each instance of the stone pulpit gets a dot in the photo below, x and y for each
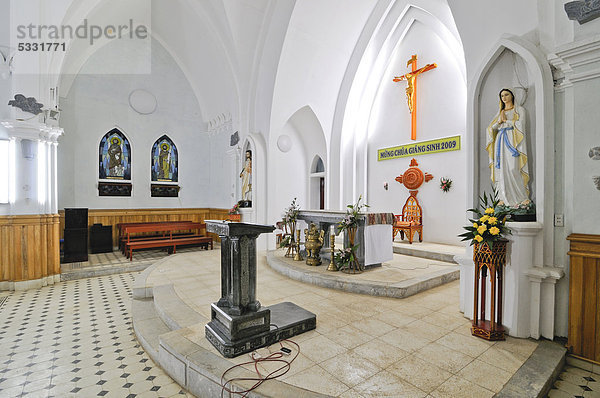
(238, 322)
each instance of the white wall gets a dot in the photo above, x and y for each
(97, 103)
(482, 23)
(441, 113)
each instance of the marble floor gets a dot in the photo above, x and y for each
(364, 346)
(75, 339)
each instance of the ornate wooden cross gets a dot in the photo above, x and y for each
(411, 90)
(413, 178)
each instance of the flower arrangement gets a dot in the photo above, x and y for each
(489, 226)
(525, 207)
(351, 218)
(235, 209)
(344, 258)
(445, 184)
(291, 213)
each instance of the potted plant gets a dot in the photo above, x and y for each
(487, 233)
(290, 217)
(350, 224)
(345, 259)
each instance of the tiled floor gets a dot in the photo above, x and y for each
(575, 382)
(101, 262)
(364, 346)
(75, 339)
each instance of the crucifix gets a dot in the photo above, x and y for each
(411, 90)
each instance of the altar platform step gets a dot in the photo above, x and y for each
(428, 250)
(169, 324)
(171, 306)
(402, 277)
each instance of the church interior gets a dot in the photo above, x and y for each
(299, 198)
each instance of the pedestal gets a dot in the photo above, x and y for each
(238, 323)
(490, 259)
(529, 286)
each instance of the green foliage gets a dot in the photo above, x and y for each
(291, 213)
(351, 218)
(343, 258)
(285, 242)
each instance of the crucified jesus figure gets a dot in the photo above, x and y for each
(411, 78)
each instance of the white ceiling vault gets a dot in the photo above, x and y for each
(227, 49)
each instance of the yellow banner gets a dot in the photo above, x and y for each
(420, 148)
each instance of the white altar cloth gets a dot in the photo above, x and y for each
(378, 244)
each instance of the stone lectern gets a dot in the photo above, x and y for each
(238, 323)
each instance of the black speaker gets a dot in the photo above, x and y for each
(101, 238)
(76, 218)
(76, 245)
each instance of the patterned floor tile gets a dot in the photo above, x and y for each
(76, 339)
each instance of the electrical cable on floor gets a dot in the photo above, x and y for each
(275, 357)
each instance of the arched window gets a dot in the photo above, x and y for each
(115, 157)
(319, 166)
(165, 162)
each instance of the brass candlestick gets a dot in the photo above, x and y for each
(332, 266)
(298, 257)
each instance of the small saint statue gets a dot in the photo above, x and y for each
(246, 176)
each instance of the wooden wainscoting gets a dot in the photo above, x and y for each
(584, 296)
(29, 247)
(117, 216)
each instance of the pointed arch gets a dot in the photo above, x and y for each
(543, 137)
(165, 161)
(317, 165)
(114, 155)
(387, 26)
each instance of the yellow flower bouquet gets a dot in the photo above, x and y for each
(489, 224)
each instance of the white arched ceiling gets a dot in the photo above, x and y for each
(384, 32)
(186, 29)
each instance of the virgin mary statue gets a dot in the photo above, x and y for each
(507, 150)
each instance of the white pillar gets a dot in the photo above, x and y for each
(517, 287)
(467, 275)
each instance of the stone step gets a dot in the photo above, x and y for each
(148, 326)
(173, 311)
(400, 288)
(431, 251)
(102, 270)
(537, 375)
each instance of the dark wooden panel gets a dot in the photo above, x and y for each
(584, 296)
(589, 309)
(576, 304)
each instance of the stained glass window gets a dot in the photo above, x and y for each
(165, 165)
(115, 156)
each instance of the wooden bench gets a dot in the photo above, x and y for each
(131, 235)
(172, 243)
(167, 237)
